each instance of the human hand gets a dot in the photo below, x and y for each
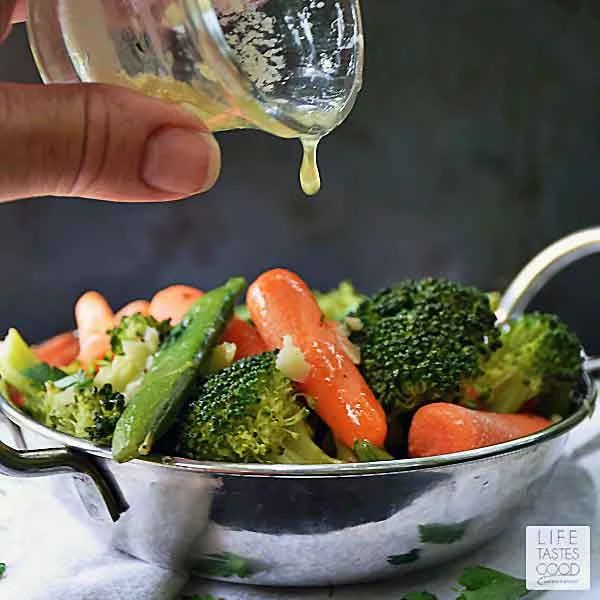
(98, 141)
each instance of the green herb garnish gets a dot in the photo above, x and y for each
(442, 533)
(225, 564)
(405, 559)
(481, 583)
(42, 372)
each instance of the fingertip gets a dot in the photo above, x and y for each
(6, 16)
(102, 142)
(213, 169)
(20, 12)
(181, 161)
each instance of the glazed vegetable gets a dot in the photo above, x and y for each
(339, 302)
(248, 412)
(366, 452)
(151, 411)
(241, 312)
(59, 351)
(334, 304)
(282, 305)
(539, 356)
(173, 302)
(133, 342)
(73, 404)
(141, 307)
(16, 359)
(255, 382)
(246, 338)
(137, 328)
(420, 340)
(94, 318)
(77, 406)
(443, 428)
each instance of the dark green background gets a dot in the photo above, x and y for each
(475, 143)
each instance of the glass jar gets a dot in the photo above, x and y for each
(292, 68)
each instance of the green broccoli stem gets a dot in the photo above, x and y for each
(300, 449)
(366, 451)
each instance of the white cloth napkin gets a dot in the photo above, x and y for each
(51, 556)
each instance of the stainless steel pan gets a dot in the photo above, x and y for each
(308, 525)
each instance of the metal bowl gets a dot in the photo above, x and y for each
(308, 525)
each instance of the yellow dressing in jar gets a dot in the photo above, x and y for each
(234, 64)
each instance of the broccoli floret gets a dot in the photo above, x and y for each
(339, 302)
(248, 412)
(77, 406)
(420, 340)
(133, 342)
(138, 328)
(539, 357)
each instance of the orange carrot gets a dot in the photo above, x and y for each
(246, 338)
(59, 351)
(135, 307)
(281, 304)
(94, 318)
(173, 302)
(444, 428)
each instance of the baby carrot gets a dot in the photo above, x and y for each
(135, 307)
(94, 318)
(282, 305)
(59, 351)
(173, 302)
(246, 338)
(444, 428)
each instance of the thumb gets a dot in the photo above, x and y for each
(102, 142)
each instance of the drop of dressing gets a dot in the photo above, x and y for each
(310, 178)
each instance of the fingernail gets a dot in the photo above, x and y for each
(181, 161)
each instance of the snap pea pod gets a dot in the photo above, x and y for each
(153, 408)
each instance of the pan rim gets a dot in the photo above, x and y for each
(587, 402)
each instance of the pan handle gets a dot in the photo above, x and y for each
(15, 431)
(541, 269)
(39, 463)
